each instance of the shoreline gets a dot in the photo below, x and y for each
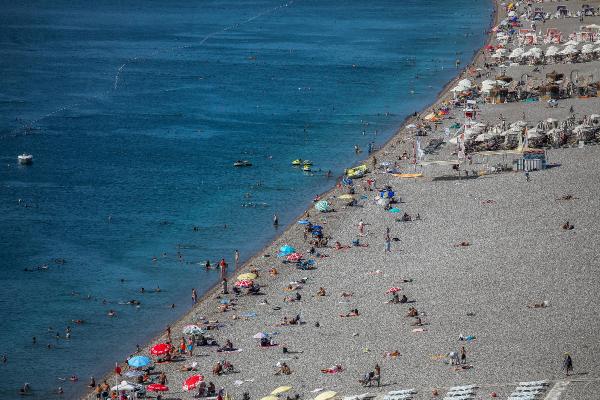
(258, 255)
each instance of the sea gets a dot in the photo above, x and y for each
(135, 111)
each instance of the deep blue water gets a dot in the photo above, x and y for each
(203, 84)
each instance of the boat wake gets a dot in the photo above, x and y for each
(28, 126)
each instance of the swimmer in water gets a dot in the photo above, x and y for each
(111, 313)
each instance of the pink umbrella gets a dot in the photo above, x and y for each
(191, 382)
(160, 349)
(294, 257)
(246, 283)
(393, 290)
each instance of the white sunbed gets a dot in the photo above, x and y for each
(403, 391)
(531, 389)
(363, 396)
(459, 388)
(404, 396)
(524, 396)
(530, 397)
(468, 396)
(534, 383)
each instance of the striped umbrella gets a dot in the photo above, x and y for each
(294, 257)
(193, 330)
(393, 290)
(157, 387)
(322, 206)
(246, 283)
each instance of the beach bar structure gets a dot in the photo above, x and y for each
(532, 160)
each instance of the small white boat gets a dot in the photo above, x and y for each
(25, 159)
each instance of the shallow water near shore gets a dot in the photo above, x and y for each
(139, 112)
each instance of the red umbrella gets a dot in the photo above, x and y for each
(160, 349)
(157, 387)
(191, 382)
(245, 283)
(294, 257)
(393, 290)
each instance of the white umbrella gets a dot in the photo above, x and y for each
(551, 51)
(465, 82)
(483, 137)
(126, 386)
(571, 43)
(261, 335)
(516, 53)
(534, 133)
(587, 48)
(551, 120)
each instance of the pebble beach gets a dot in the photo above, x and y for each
(484, 249)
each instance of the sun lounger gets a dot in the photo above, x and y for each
(460, 391)
(530, 389)
(518, 395)
(529, 397)
(460, 394)
(363, 396)
(404, 391)
(534, 383)
(405, 396)
(463, 397)
(466, 396)
(459, 388)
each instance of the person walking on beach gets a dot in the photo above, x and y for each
(567, 364)
(194, 297)
(168, 332)
(236, 258)
(527, 176)
(378, 374)
(361, 227)
(463, 355)
(223, 267)
(224, 286)
(388, 242)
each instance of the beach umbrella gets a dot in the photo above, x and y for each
(326, 395)
(261, 335)
(304, 222)
(286, 249)
(281, 389)
(244, 284)
(157, 387)
(322, 206)
(317, 227)
(294, 257)
(395, 210)
(193, 330)
(126, 386)
(191, 382)
(346, 197)
(139, 361)
(393, 290)
(133, 373)
(160, 349)
(587, 48)
(248, 275)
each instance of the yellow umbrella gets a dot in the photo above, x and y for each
(247, 276)
(281, 389)
(346, 197)
(326, 395)
(270, 398)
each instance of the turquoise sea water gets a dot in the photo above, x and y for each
(136, 111)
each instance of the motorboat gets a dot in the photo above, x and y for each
(242, 163)
(307, 162)
(306, 168)
(25, 159)
(297, 161)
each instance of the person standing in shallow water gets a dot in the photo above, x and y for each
(223, 267)
(194, 296)
(275, 220)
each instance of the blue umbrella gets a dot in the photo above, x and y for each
(395, 210)
(317, 227)
(304, 222)
(139, 361)
(286, 249)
